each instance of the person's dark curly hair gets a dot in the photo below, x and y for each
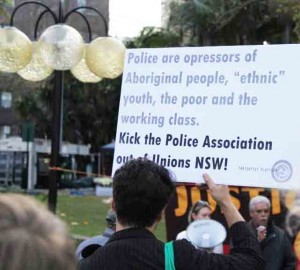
(141, 189)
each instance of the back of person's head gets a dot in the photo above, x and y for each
(141, 190)
(31, 237)
(258, 199)
(111, 219)
(292, 221)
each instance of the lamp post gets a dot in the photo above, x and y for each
(59, 48)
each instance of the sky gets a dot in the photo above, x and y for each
(128, 17)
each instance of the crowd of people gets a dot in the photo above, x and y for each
(33, 238)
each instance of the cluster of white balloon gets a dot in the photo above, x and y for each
(60, 47)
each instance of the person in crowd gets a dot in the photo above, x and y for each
(200, 210)
(31, 237)
(141, 191)
(292, 223)
(275, 246)
(88, 247)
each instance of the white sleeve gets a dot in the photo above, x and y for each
(181, 235)
(218, 249)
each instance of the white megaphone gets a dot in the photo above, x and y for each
(206, 233)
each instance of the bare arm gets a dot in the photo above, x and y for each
(221, 194)
(245, 252)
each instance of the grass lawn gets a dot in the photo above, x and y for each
(85, 215)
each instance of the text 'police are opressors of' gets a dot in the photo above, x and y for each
(191, 59)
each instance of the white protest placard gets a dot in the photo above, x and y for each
(233, 112)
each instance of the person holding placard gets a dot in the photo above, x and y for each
(141, 191)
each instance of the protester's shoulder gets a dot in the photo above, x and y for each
(98, 239)
(239, 227)
(185, 252)
(281, 233)
(249, 223)
(183, 244)
(278, 231)
(92, 259)
(88, 246)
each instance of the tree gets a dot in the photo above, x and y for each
(229, 22)
(3, 13)
(154, 37)
(89, 110)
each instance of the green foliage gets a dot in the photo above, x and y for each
(89, 110)
(5, 2)
(3, 13)
(284, 7)
(207, 22)
(296, 19)
(154, 37)
(229, 22)
(297, 25)
(30, 107)
(215, 13)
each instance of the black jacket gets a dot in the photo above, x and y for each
(134, 248)
(276, 248)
